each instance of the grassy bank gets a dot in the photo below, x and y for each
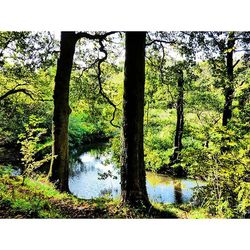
(39, 199)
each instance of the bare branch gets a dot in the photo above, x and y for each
(241, 83)
(95, 36)
(101, 60)
(88, 67)
(236, 63)
(162, 73)
(159, 41)
(14, 91)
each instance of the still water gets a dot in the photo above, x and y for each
(92, 175)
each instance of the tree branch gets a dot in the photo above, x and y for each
(95, 36)
(162, 73)
(101, 60)
(14, 91)
(236, 63)
(159, 41)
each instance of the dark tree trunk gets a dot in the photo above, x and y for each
(227, 112)
(60, 166)
(229, 88)
(179, 122)
(133, 175)
(178, 192)
(174, 158)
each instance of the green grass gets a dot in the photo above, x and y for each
(184, 211)
(39, 199)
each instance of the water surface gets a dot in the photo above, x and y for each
(93, 175)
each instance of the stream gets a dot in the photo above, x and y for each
(92, 175)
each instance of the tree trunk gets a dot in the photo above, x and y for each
(133, 175)
(60, 166)
(229, 89)
(179, 122)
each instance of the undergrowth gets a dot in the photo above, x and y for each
(39, 199)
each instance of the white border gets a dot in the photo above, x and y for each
(124, 15)
(124, 234)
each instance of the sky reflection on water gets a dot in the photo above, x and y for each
(86, 181)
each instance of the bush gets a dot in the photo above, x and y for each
(30, 146)
(81, 130)
(225, 166)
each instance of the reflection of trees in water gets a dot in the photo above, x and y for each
(74, 161)
(81, 168)
(106, 191)
(109, 191)
(109, 174)
(116, 190)
(97, 150)
(158, 198)
(178, 192)
(156, 179)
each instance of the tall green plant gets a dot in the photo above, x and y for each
(31, 146)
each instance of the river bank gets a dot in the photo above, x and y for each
(39, 199)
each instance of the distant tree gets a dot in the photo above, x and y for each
(179, 120)
(222, 49)
(229, 88)
(133, 175)
(171, 72)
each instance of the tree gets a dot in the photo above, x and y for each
(179, 121)
(60, 165)
(229, 88)
(228, 55)
(133, 175)
(24, 81)
(62, 110)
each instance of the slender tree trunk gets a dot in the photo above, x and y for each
(133, 175)
(229, 89)
(60, 166)
(179, 122)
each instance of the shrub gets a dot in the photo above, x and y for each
(30, 146)
(225, 166)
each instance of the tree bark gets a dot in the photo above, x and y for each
(133, 175)
(229, 88)
(179, 122)
(60, 166)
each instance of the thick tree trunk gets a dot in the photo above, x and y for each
(60, 166)
(179, 122)
(133, 175)
(229, 89)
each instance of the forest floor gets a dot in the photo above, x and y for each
(39, 199)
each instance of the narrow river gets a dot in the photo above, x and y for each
(92, 175)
